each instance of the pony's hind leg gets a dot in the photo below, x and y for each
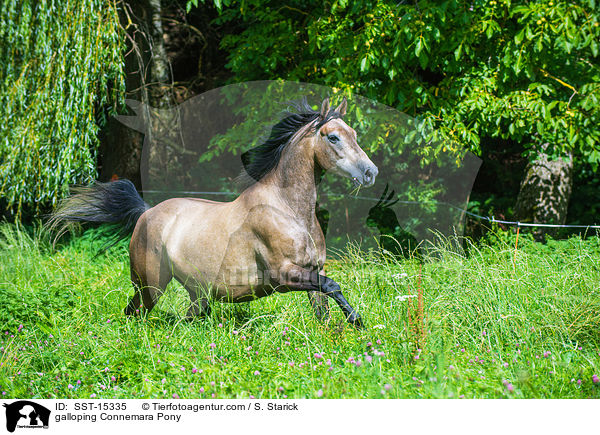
(149, 284)
(320, 305)
(199, 306)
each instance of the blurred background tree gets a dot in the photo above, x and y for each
(514, 76)
(515, 82)
(61, 76)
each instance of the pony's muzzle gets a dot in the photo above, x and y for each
(369, 174)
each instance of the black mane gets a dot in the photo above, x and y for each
(261, 160)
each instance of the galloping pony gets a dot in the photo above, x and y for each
(267, 240)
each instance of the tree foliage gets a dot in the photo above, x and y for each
(468, 70)
(60, 66)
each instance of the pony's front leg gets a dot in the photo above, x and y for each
(297, 278)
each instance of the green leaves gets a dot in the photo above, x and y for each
(59, 72)
(504, 69)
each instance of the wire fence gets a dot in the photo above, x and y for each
(366, 198)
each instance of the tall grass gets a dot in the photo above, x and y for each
(499, 323)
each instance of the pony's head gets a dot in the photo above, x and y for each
(337, 150)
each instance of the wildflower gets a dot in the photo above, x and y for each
(194, 370)
(369, 358)
(400, 275)
(291, 363)
(235, 332)
(505, 364)
(319, 393)
(220, 325)
(318, 356)
(546, 354)
(578, 381)
(595, 379)
(369, 344)
(201, 389)
(112, 378)
(92, 395)
(256, 373)
(403, 298)
(378, 341)
(387, 387)
(379, 327)
(71, 387)
(510, 387)
(175, 396)
(212, 345)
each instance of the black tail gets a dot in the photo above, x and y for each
(115, 202)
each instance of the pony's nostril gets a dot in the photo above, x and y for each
(370, 174)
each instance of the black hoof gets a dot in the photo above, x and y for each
(356, 321)
(132, 311)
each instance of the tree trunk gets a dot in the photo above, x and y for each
(545, 192)
(148, 81)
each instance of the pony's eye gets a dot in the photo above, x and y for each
(333, 138)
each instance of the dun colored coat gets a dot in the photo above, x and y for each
(266, 240)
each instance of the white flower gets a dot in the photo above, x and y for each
(400, 275)
(379, 327)
(402, 298)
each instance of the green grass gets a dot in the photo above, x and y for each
(529, 318)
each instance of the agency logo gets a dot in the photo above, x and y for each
(24, 414)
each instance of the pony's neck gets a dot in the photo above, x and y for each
(296, 178)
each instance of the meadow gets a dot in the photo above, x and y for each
(492, 321)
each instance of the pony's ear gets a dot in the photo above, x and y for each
(341, 109)
(325, 108)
